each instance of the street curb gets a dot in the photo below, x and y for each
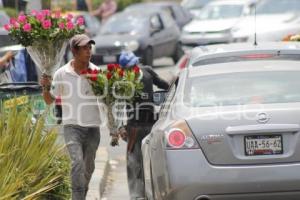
(99, 177)
(104, 178)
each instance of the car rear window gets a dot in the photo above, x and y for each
(246, 57)
(243, 88)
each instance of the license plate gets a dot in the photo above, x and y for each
(109, 59)
(263, 145)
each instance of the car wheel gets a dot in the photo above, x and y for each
(148, 57)
(178, 53)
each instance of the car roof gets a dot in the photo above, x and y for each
(237, 67)
(238, 49)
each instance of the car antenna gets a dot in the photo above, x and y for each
(255, 38)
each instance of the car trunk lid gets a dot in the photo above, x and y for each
(250, 137)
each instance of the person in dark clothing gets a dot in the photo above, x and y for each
(83, 5)
(140, 121)
(30, 67)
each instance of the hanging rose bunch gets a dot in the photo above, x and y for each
(115, 82)
(43, 25)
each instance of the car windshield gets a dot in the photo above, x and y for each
(278, 6)
(212, 12)
(243, 88)
(194, 3)
(124, 24)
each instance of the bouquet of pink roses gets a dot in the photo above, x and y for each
(44, 34)
(43, 25)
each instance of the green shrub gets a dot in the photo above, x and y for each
(32, 164)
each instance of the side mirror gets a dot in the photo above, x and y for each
(159, 97)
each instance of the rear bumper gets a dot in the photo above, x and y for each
(190, 176)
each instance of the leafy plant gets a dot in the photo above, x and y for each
(32, 164)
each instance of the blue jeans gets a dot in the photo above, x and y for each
(82, 144)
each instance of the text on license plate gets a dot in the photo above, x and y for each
(263, 145)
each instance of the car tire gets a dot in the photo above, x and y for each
(178, 53)
(148, 57)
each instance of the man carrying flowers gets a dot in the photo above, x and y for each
(80, 112)
(140, 120)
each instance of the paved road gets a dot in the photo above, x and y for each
(116, 186)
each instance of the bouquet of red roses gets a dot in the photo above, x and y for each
(116, 86)
(115, 83)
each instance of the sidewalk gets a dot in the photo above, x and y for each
(97, 184)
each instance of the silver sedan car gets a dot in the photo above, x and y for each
(229, 127)
(214, 23)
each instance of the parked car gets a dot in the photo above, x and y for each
(215, 21)
(149, 33)
(180, 14)
(229, 127)
(194, 5)
(5, 39)
(274, 20)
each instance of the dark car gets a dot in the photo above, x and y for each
(180, 14)
(5, 39)
(149, 33)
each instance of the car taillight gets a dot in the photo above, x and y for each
(179, 136)
(176, 138)
(183, 63)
